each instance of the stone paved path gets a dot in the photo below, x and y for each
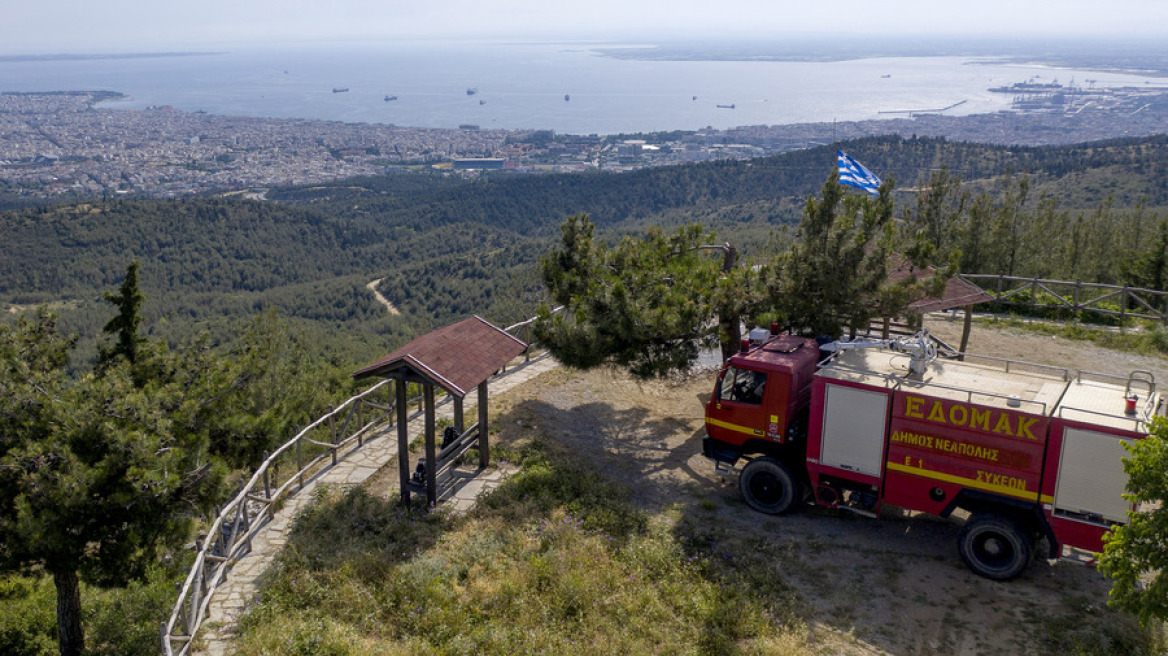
(232, 598)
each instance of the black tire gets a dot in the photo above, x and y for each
(995, 547)
(768, 486)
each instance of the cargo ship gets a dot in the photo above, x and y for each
(1030, 87)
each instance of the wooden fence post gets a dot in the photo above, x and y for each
(1122, 309)
(360, 425)
(299, 464)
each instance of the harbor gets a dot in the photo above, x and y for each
(915, 112)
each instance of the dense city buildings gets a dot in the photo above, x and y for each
(66, 143)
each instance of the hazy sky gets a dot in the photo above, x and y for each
(56, 26)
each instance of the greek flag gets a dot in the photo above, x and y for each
(854, 174)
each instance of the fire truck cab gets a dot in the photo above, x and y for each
(1026, 451)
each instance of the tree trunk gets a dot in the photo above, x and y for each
(729, 321)
(69, 635)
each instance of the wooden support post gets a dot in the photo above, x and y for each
(484, 439)
(403, 440)
(965, 329)
(887, 327)
(267, 484)
(431, 446)
(458, 418)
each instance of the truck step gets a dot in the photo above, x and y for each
(723, 469)
(859, 511)
(1078, 556)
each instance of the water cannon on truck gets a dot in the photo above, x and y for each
(1027, 451)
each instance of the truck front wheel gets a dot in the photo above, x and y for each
(995, 547)
(767, 486)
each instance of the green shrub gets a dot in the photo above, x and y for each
(125, 621)
(28, 617)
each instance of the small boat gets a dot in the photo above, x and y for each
(340, 89)
(389, 98)
(567, 97)
(885, 76)
(724, 106)
(471, 91)
(695, 97)
(482, 102)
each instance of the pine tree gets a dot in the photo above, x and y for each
(94, 482)
(646, 304)
(124, 326)
(829, 280)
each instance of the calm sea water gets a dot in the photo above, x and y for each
(524, 86)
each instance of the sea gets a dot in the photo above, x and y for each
(571, 88)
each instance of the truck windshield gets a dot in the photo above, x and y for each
(743, 385)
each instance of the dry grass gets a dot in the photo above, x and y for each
(557, 561)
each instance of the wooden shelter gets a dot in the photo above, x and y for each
(959, 293)
(458, 358)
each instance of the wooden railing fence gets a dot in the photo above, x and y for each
(1111, 300)
(282, 474)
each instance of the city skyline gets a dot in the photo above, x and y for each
(58, 26)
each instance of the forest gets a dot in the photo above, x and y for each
(446, 247)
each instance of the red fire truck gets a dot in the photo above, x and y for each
(1028, 451)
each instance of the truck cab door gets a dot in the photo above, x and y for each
(736, 411)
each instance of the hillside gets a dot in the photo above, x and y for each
(446, 247)
(619, 537)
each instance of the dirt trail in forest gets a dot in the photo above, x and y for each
(372, 286)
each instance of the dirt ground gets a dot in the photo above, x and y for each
(890, 586)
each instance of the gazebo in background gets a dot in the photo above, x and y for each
(958, 293)
(458, 358)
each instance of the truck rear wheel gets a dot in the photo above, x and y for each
(768, 486)
(995, 547)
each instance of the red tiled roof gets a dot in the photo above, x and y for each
(958, 291)
(456, 358)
